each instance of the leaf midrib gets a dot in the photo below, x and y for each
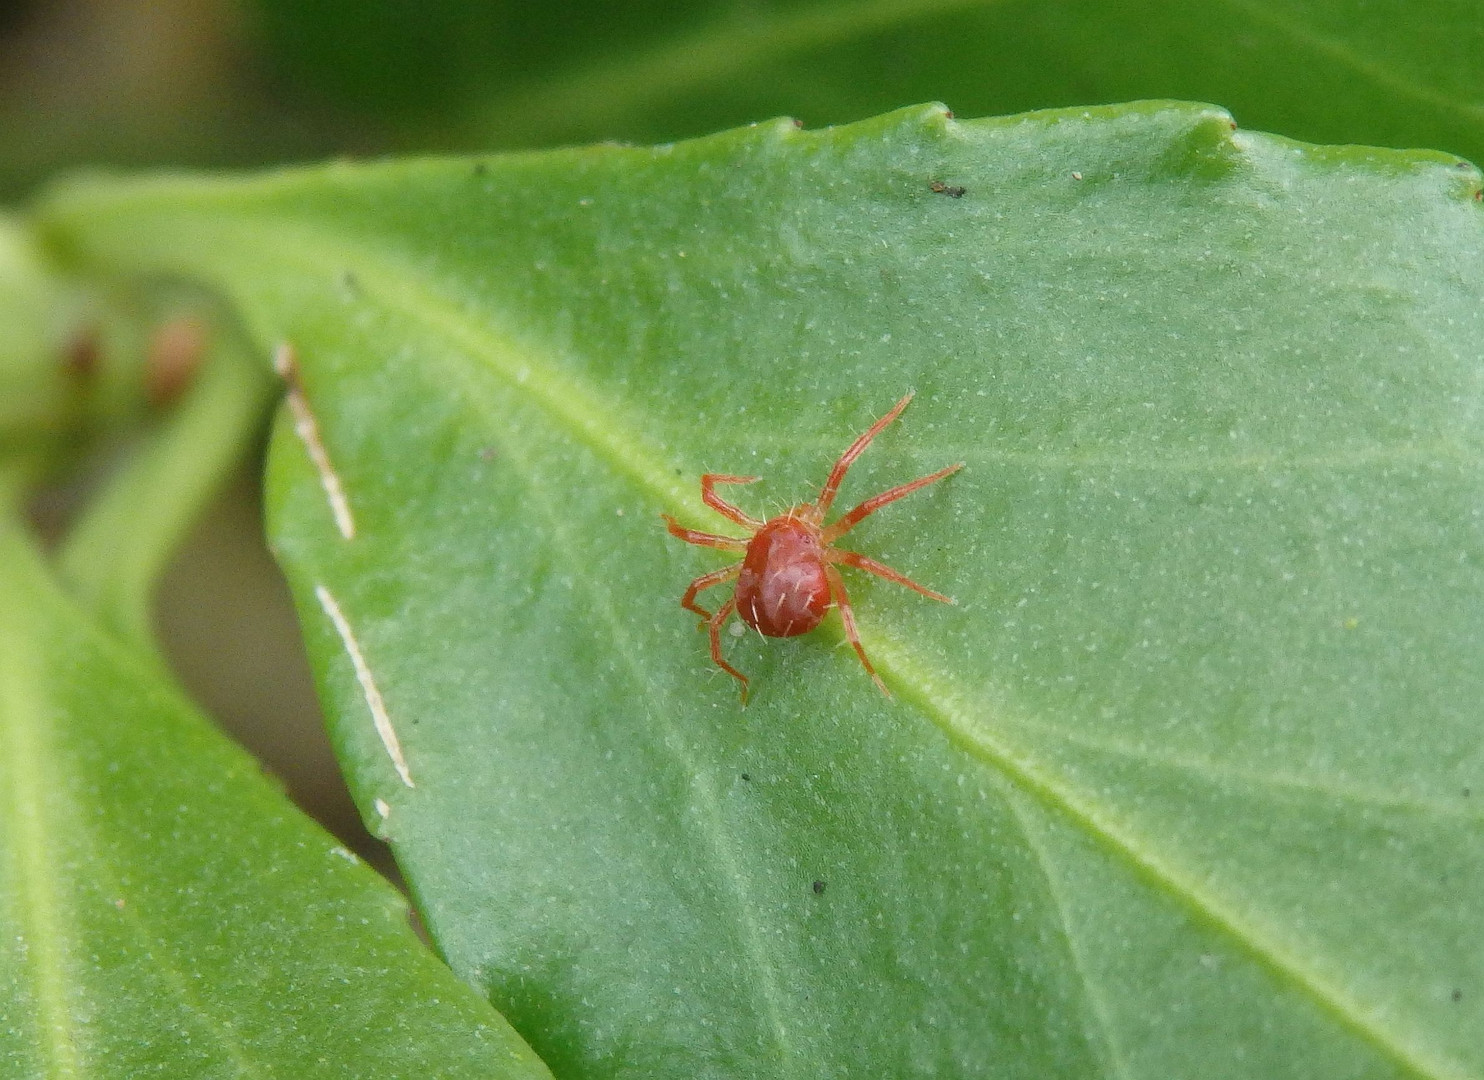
(22, 726)
(1097, 1004)
(717, 837)
(568, 403)
(955, 718)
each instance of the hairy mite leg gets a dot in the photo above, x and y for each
(848, 521)
(704, 539)
(715, 627)
(837, 474)
(720, 505)
(871, 566)
(842, 601)
(706, 581)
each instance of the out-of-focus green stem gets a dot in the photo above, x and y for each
(118, 549)
(38, 393)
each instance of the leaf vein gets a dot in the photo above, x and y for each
(956, 719)
(1274, 780)
(1096, 1002)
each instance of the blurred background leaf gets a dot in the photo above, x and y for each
(212, 81)
(164, 911)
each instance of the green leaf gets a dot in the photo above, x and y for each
(166, 912)
(1186, 784)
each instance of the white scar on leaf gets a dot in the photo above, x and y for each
(307, 428)
(379, 715)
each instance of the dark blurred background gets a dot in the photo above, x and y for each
(134, 84)
(243, 82)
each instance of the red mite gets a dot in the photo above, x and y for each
(787, 579)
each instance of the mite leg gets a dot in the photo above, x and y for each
(704, 539)
(720, 505)
(715, 628)
(842, 601)
(871, 566)
(837, 474)
(876, 502)
(706, 581)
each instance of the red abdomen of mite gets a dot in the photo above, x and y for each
(782, 589)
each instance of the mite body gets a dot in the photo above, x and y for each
(787, 580)
(783, 588)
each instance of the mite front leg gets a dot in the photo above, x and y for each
(837, 474)
(720, 505)
(703, 539)
(848, 521)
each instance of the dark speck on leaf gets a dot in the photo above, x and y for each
(746, 777)
(350, 281)
(819, 888)
(1465, 793)
(953, 191)
(1457, 994)
(481, 169)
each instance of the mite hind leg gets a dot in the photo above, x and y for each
(847, 616)
(715, 627)
(704, 582)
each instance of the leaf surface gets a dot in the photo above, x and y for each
(1187, 782)
(166, 912)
